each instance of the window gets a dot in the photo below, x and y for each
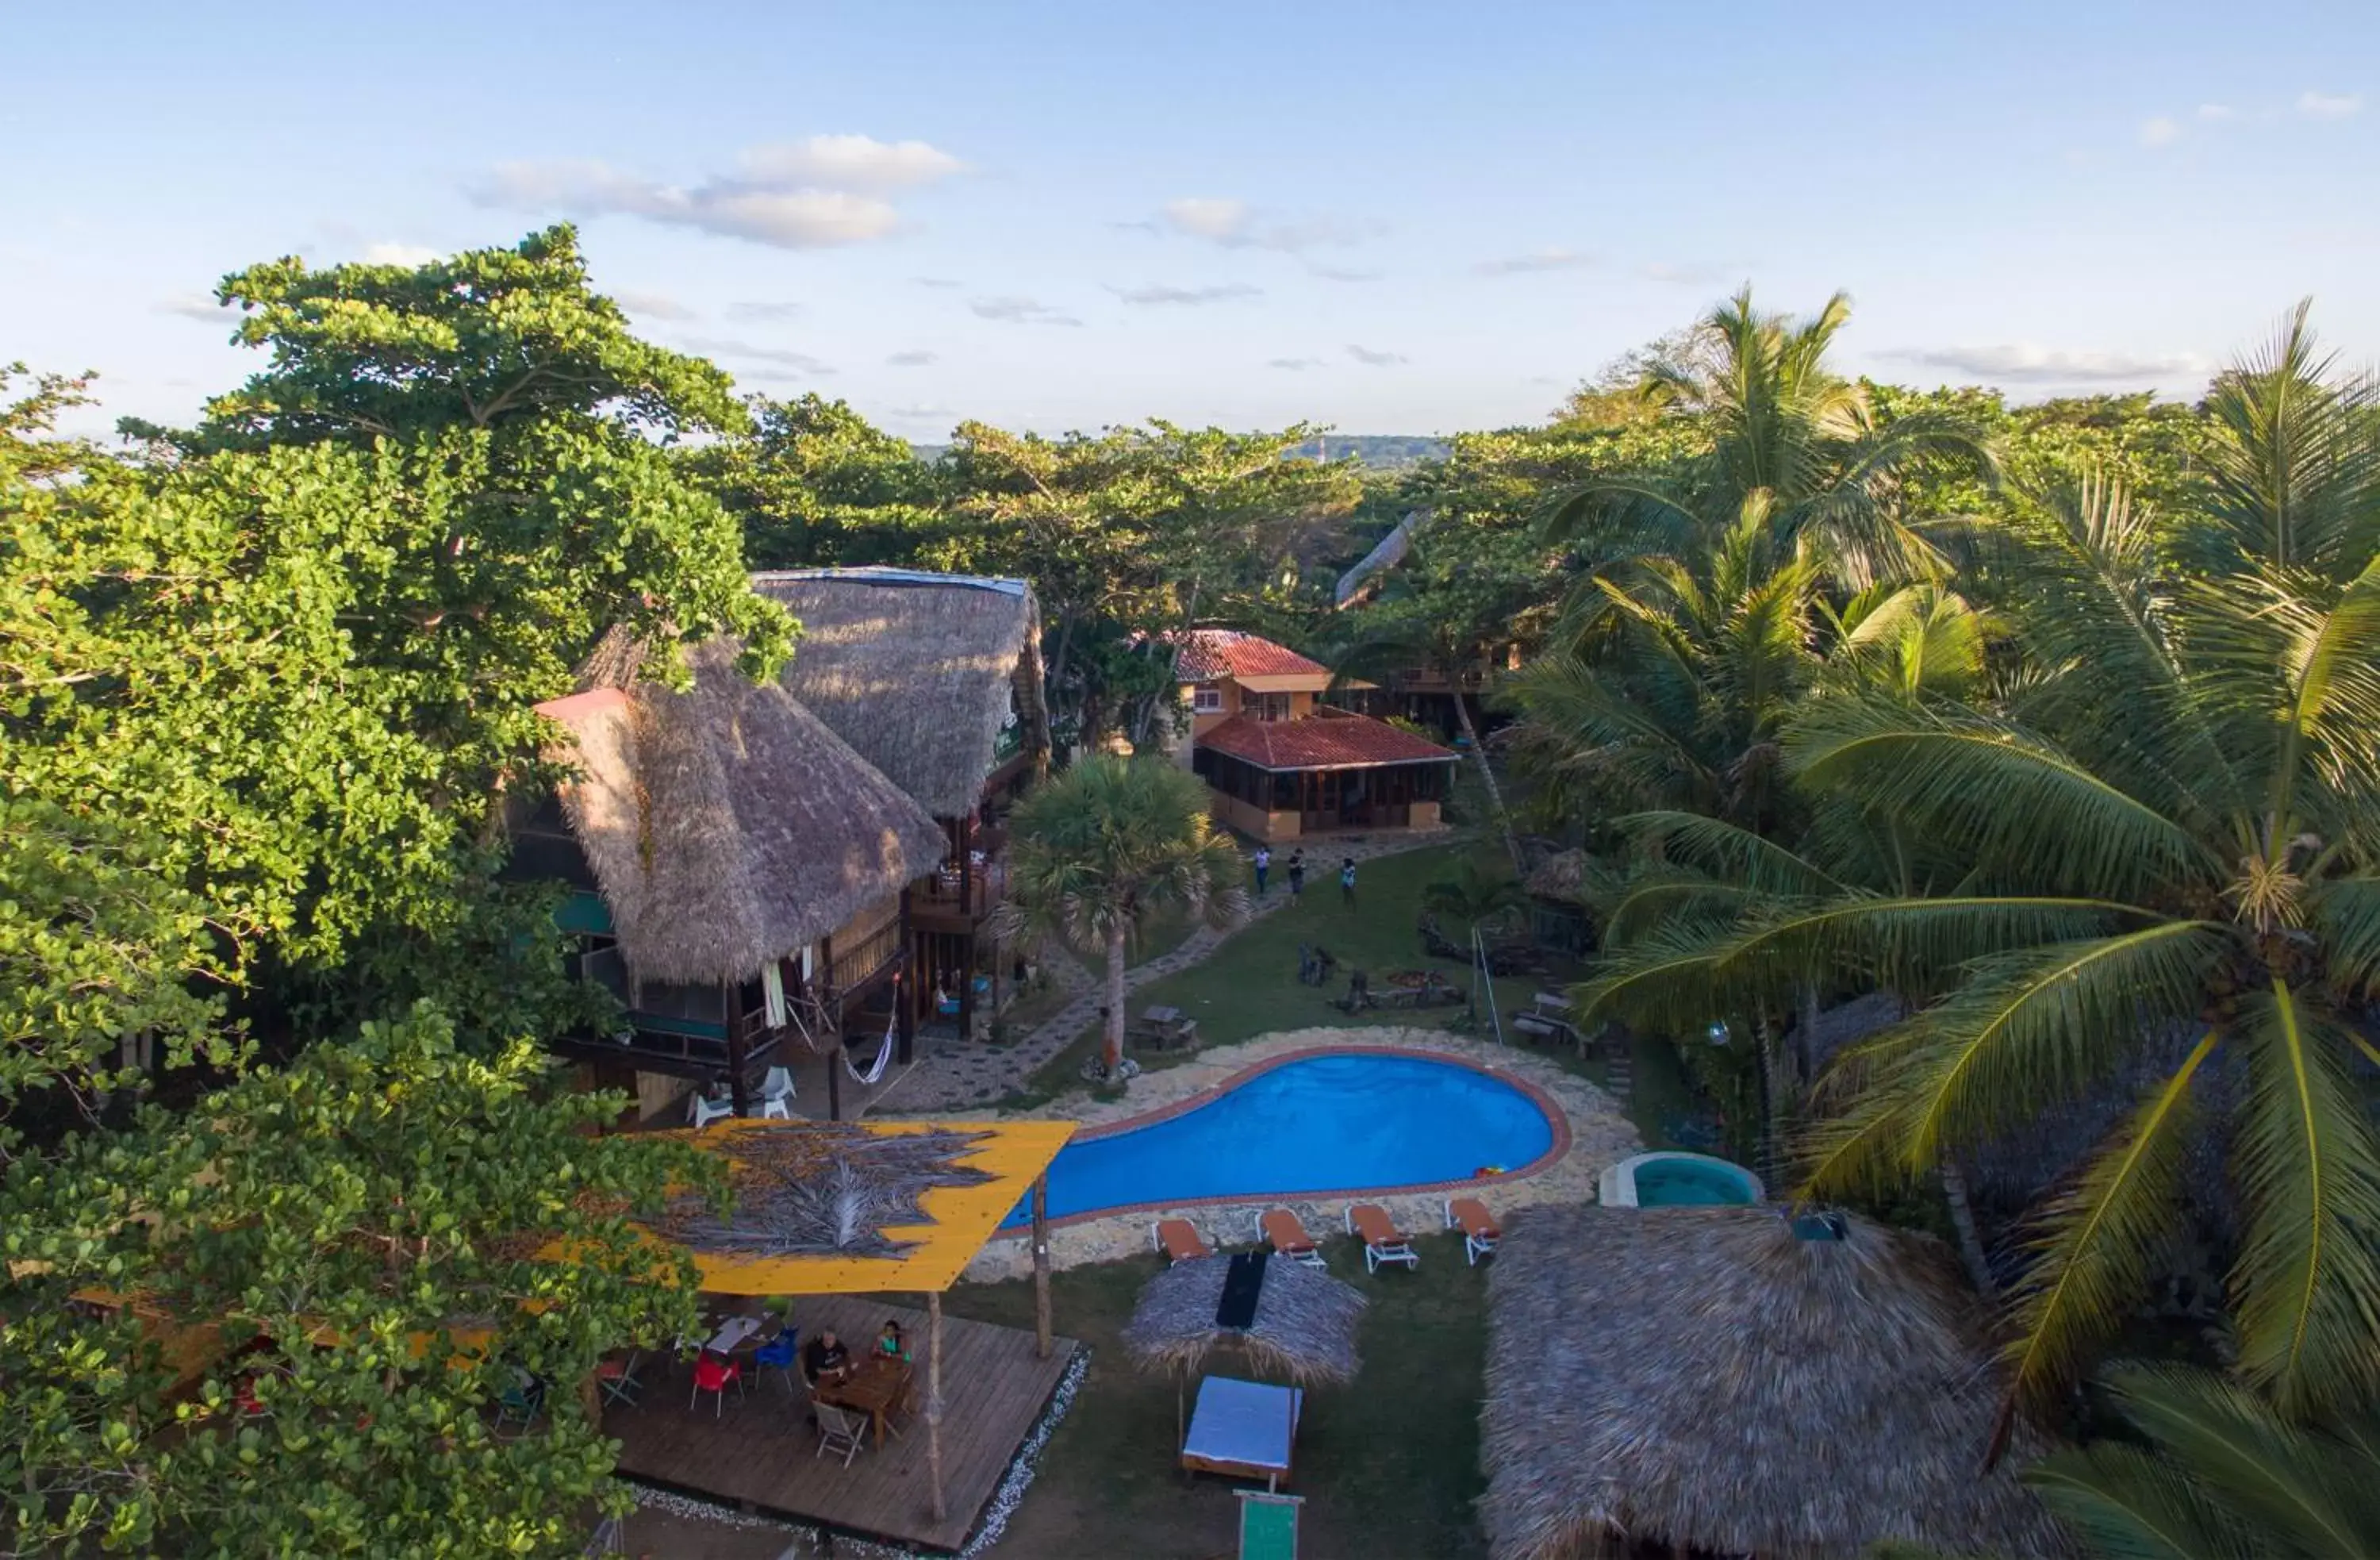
(1207, 700)
(1267, 706)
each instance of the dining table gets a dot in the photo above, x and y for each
(733, 1332)
(875, 1387)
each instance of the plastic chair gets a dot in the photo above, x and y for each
(702, 1110)
(711, 1374)
(777, 1094)
(617, 1377)
(519, 1401)
(840, 1432)
(779, 1354)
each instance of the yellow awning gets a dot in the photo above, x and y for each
(1013, 1154)
(1284, 682)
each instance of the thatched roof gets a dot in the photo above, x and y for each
(1559, 876)
(1305, 1326)
(726, 826)
(1702, 1376)
(917, 671)
(826, 1190)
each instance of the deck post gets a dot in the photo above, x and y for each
(966, 913)
(738, 1091)
(934, 1400)
(834, 1078)
(905, 1003)
(1041, 1265)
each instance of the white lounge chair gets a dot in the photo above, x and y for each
(1383, 1242)
(777, 1094)
(1480, 1231)
(1285, 1232)
(702, 1110)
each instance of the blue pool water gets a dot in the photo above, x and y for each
(1695, 1183)
(1322, 1124)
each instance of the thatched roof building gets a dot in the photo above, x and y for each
(1711, 1378)
(1562, 876)
(921, 673)
(727, 825)
(1304, 1328)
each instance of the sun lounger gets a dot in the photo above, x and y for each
(1285, 1232)
(1478, 1226)
(1178, 1240)
(1382, 1240)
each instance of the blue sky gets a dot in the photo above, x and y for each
(1391, 218)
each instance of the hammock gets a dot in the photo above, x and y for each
(883, 1052)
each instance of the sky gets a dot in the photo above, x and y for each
(1387, 218)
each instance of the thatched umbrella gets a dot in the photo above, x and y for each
(1737, 1381)
(1304, 1327)
(1560, 877)
(919, 672)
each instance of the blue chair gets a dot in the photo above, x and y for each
(779, 1354)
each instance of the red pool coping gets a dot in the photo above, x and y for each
(1547, 1105)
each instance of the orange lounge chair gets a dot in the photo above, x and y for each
(1383, 1242)
(1285, 1232)
(1478, 1226)
(1178, 1240)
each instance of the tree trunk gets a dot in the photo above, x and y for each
(1486, 774)
(1963, 1219)
(1114, 1038)
(1040, 1266)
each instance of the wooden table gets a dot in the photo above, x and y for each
(875, 1387)
(733, 1332)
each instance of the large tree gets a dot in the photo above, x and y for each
(815, 485)
(1104, 846)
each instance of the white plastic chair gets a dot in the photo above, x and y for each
(777, 1094)
(702, 1110)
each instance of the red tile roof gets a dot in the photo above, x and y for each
(1322, 742)
(1205, 655)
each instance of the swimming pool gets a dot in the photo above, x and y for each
(1678, 1181)
(1317, 1124)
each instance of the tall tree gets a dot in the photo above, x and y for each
(1105, 845)
(816, 485)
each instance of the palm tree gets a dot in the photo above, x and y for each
(1099, 848)
(2216, 1474)
(1790, 437)
(1475, 896)
(2166, 844)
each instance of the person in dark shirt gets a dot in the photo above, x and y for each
(824, 1359)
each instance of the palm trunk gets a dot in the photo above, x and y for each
(1963, 1220)
(1114, 1038)
(1486, 775)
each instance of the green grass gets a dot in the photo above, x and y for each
(1388, 1466)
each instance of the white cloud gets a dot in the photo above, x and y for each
(780, 357)
(2217, 113)
(1159, 293)
(653, 306)
(199, 306)
(849, 163)
(912, 360)
(1010, 310)
(763, 311)
(2325, 105)
(814, 194)
(934, 281)
(1342, 274)
(1294, 365)
(1372, 358)
(2029, 364)
(919, 413)
(2160, 132)
(1235, 225)
(1536, 260)
(1683, 275)
(398, 254)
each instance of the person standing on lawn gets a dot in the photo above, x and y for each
(1264, 866)
(1297, 873)
(1347, 883)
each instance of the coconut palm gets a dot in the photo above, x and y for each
(2216, 1474)
(1099, 848)
(2168, 842)
(1788, 435)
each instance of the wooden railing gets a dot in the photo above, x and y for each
(864, 957)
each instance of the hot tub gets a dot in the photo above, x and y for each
(1678, 1180)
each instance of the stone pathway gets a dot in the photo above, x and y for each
(1600, 1136)
(961, 1074)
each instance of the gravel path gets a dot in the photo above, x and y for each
(968, 1074)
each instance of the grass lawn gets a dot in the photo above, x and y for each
(1249, 986)
(1388, 1466)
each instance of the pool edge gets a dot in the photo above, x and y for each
(1547, 1106)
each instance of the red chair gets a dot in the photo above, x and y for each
(711, 1374)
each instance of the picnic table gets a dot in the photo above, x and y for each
(875, 1388)
(1161, 1026)
(733, 1332)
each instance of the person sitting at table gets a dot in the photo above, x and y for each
(824, 1359)
(944, 1003)
(890, 1343)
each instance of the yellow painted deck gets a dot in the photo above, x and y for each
(761, 1455)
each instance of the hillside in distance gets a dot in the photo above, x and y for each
(1379, 451)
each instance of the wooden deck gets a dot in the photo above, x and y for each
(760, 1455)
